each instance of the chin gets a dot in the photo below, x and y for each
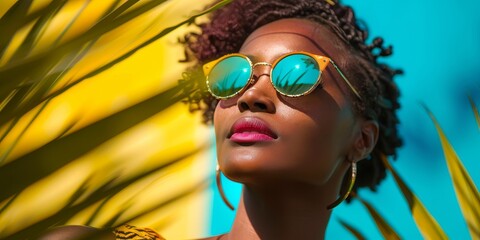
(255, 172)
(240, 170)
(260, 172)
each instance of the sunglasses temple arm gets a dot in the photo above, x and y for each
(346, 80)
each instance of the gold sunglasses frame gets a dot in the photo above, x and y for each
(322, 62)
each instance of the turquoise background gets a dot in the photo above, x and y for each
(437, 44)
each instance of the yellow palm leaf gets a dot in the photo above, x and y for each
(385, 229)
(352, 230)
(427, 225)
(475, 111)
(107, 100)
(466, 191)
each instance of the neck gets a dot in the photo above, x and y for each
(286, 212)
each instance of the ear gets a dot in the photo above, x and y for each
(365, 140)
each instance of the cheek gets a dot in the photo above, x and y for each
(219, 124)
(316, 145)
(226, 154)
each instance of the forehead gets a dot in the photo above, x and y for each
(288, 35)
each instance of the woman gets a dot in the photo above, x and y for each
(299, 103)
(295, 146)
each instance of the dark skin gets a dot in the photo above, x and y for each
(289, 181)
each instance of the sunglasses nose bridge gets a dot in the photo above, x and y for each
(264, 71)
(266, 64)
(261, 64)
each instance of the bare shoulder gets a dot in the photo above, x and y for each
(76, 232)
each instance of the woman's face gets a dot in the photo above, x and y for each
(265, 137)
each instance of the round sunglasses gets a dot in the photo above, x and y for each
(293, 75)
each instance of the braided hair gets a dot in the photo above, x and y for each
(231, 25)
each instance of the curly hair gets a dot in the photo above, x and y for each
(231, 25)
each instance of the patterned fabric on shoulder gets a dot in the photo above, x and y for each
(135, 233)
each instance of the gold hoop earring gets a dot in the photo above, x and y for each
(350, 187)
(220, 188)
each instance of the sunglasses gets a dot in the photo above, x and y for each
(293, 75)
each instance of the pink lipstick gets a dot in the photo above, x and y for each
(251, 130)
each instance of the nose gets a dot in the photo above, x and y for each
(259, 96)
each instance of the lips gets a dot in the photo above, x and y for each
(251, 130)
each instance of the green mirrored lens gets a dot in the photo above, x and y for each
(295, 74)
(229, 76)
